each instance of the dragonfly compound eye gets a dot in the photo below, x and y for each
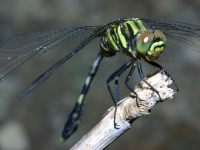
(159, 34)
(144, 42)
(157, 46)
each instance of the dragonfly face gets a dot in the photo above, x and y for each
(151, 44)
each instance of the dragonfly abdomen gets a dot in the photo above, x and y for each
(119, 37)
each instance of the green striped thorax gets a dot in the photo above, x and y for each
(132, 37)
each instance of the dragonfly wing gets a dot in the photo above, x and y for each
(20, 49)
(52, 69)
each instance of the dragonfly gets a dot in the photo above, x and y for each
(138, 38)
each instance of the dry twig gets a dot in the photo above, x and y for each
(128, 111)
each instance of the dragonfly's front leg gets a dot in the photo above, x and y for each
(142, 77)
(155, 64)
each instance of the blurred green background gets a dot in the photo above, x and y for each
(36, 121)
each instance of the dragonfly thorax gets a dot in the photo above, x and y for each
(132, 37)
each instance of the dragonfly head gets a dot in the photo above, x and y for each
(151, 44)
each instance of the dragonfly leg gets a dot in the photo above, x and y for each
(115, 76)
(128, 77)
(141, 75)
(127, 83)
(155, 64)
(74, 118)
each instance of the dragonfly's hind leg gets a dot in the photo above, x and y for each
(116, 96)
(127, 83)
(74, 118)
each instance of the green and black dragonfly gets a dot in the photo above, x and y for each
(139, 39)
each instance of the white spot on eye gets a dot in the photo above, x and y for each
(146, 39)
(9, 58)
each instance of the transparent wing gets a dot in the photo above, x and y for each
(20, 49)
(183, 40)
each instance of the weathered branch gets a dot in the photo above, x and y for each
(128, 110)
